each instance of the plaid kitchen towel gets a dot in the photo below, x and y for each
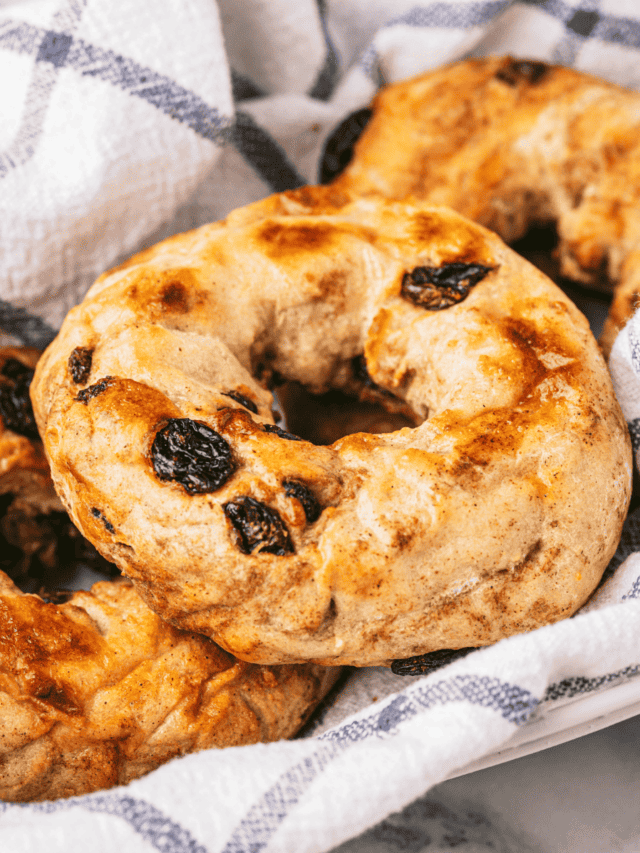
(126, 121)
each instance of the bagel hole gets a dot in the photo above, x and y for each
(539, 246)
(325, 418)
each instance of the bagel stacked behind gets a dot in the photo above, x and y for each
(495, 514)
(515, 143)
(95, 688)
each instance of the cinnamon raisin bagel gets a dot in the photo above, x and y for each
(95, 689)
(513, 143)
(98, 690)
(495, 513)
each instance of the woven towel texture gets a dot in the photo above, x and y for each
(126, 121)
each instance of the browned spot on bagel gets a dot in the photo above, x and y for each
(237, 422)
(457, 240)
(481, 440)
(542, 353)
(332, 286)
(282, 238)
(403, 539)
(174, 297)
(53, 638)
(142, 409)
(55, 695)
(500, 431)
(171, 294)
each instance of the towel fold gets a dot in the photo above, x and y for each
(127, 121)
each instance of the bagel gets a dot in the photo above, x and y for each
(495, 513)
(95, 689)
(511, 144)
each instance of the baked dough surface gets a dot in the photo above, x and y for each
(97, 690)
(495, 514)
(514, 143)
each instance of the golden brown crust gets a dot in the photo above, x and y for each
(98, 690)
(497, 514)
(511, 143)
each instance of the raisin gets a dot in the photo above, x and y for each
(244, 401)
(93, 390)
(281, 433)
(296, 489)
(95, 512)
(429, 662)
(522, 71)
(436, 288)
(258, 526)
(338, 149)
(15, 403)
(193, 455)
(80, 364)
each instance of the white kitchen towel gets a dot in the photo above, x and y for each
(125, 121)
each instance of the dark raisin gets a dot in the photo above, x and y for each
(193, 455)
(436, 288)
(244, 401)
(80, 364)
(429, 662)
(258, 526)
(93, 390)
(522, 71)
(95, 512)
(310, 505)
(281, 433)
(338, 149)
(15, 403)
